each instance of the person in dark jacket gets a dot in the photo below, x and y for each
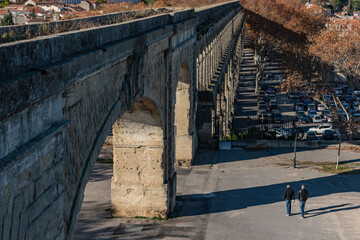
(289, 195)
(302, 196)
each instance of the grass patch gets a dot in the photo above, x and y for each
(331, 168)
(140, 217)
(302, 163)
(305, 162)
(160, 218)
(328, 167)
(105, 161)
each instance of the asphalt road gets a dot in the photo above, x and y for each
(238, 195)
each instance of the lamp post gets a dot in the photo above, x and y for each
(338, 155)
(294, 161)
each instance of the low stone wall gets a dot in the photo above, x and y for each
(353, 145)
(262, 144)
(22, 56)
(111, 18)
(205, 13)
(31, 55)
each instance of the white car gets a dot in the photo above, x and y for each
(356, 94)
(321, 107)
(317, 119)
(321, 128)
(311, 106)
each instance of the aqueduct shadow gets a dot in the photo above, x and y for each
(235, 199)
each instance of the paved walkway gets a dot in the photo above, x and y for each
(237, 195)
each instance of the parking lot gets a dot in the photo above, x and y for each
(311, 114)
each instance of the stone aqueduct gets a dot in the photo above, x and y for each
(165, 84)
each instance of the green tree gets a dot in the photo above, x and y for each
(149, 2)
(5, 3)
(356, 5)
(7, 20)
(32, 14)
(339, 4)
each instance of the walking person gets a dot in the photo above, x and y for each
(302, 196)
(289, 195)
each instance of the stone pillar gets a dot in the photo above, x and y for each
(184, 140)
(137, 186)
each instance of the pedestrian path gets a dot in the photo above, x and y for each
(237, 195)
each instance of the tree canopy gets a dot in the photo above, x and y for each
(7, 20)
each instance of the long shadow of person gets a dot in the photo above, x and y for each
(325, 210)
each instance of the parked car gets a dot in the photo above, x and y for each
(273, 101)
(288, 131)
(270, 90)
(317, 119)
(348, 98)
(326, 98)
(329, 117)
(306, 103)
(277, 117)
(279, 134)
(311, 106)
(328, 134)
(283, 133)
(272, 97)
(311, 135)
(264, 117)
(261, 103)
(321, 107)
(321, 128)
(352, 113)
(342, 114)
(300, 113)
(273, 106)
(345, 105)
(299, 107)
(312, 113)
(269, 76)
(339, 90)
(261, 110)
(356, 116)
(332, 104)
(293, 95)
(303, 119)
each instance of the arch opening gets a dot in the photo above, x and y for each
(137, 185)
(184, 149)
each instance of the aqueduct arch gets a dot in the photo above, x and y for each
(57, 106)
(137, 186)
